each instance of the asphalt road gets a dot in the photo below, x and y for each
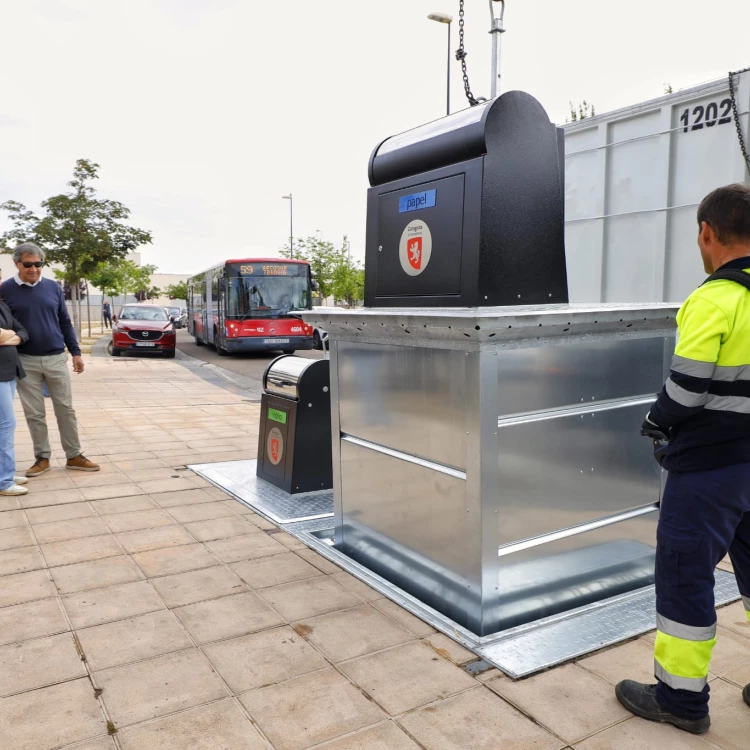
(248, 365)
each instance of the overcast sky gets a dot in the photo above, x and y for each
(203, 113)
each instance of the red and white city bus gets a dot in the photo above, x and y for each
(249, 305)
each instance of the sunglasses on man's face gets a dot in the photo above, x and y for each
(36, 264)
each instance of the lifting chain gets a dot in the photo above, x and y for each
(736, 114)
(461, 57)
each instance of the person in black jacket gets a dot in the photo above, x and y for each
(12, 334)
(107, 314)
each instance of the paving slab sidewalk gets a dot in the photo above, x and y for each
(142, 608)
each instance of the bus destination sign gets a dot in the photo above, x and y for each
(270, 269)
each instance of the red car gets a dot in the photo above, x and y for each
(143, 328)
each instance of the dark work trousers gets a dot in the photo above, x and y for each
(704, 515)
(107, 320)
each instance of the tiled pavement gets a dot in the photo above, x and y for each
(141, 608)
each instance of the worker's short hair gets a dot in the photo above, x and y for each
(727, 211)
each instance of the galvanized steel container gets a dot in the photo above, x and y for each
(488, 461)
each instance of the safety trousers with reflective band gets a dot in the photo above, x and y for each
(682, 654)
(704, 515)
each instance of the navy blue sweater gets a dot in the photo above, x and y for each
(42, 312)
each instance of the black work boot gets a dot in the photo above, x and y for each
(746, 694)
(641, 700)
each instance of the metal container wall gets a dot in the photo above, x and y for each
(407, 398)
(489, 461)
(633, 181)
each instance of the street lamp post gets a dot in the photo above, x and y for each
(446, 19)
(497, 30)
(291, 224)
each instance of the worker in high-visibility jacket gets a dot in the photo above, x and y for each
(704, 413)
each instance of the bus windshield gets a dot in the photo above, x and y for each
(266, 296)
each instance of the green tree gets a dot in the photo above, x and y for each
(78, 230)
(177, 291)
(584, 111)
(348, 277)
(148, 294)
(121, 277)
(138, 281)
(668, 88)
(321, 255)
(109, 278)
(68, 292)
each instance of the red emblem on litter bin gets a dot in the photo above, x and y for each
(275, 446)
(414, 253)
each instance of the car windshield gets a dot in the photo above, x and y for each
(143, 313)
(174, 311)
(266, 296)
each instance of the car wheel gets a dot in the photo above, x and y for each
(317, 343)
(169, 353)
(288, 351)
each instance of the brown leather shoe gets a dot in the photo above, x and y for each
(81, 463)
(41, 466)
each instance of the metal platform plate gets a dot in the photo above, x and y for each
(519, 652)
(580, 632)
(302, 527)
(239, 480)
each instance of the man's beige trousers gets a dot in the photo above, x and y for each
(53, 370)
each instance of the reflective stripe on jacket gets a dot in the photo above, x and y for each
(706, 400)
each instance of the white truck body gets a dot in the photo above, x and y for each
(633, 181)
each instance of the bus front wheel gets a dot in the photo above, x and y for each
(199, 342)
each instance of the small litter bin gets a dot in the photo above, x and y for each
(294, 446)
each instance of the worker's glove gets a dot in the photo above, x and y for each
(659, 435)
(652, 430)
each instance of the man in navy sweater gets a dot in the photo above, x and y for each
(39, 305)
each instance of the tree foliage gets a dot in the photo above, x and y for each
(584, 111)
(348, 279)
(78, 230)
(149, 293)
(177, 291)
(320, 255)
(109, 277)
(68, 290)
(138, 280)
(334, 271)
(120, 277)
